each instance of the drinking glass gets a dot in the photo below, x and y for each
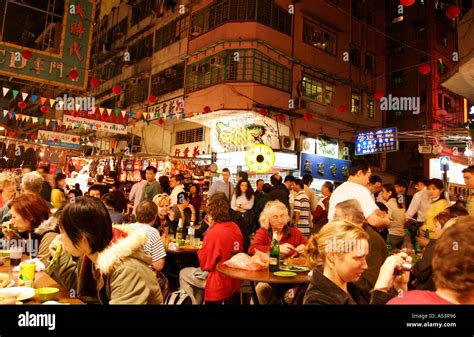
(15, 255)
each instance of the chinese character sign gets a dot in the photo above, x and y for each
(69, 67)
(376, 141)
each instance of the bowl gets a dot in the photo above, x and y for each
(47, 294)
(180, 242)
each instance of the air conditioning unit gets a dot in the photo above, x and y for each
(196, 30)
(307, 145)
(217, 61)
(287, 143)
(170, 73)
(424, 149)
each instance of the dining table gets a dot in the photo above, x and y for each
(177, 259)
(300, 280)
(42, 280)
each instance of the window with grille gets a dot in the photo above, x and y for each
(168, 80)
(252, 66)
(319, 38)
(189, 136)
(317, 90)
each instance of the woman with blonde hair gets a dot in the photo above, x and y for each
(8, 186)
(337, 255)
(165, 218)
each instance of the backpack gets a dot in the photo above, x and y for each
(178, 297)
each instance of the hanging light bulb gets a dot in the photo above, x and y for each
(41, 154)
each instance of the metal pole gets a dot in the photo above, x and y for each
(3, 21)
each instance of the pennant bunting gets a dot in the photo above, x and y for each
(145, 115)
(43, 100)
(101, 111)
(35, 120)
(109, 111)
(51, 102)
(47, 121)
(5, 91)
(24, 95)
(33, 98)
(116, 111)
(15, 93)
(124, 113)
(5, 113)
(41, 120)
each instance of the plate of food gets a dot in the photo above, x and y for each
(21, 293)
(284, 273)
(295, 269)
(295, 261)
(5, 280)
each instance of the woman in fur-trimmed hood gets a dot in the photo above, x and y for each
(100, 262)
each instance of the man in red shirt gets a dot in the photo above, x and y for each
(221, 241)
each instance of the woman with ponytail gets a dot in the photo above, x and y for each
(337, 258)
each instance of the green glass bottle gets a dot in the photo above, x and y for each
(274, 254)
(180, 230)
(427, 233)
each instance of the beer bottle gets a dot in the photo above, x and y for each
(274, 254)
(180, 230)
(191, 232)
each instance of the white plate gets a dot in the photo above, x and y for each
(21, 293)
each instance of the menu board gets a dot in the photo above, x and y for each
(376, 141)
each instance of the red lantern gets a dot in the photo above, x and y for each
(44, 109)
(95, 82)
(424, 69)
(281, 118)
(74, 140)
(262, 111)
(75, 114)
(342, 108)
(91, 141)
(73, 74)
(453, 12)
(308, 116)
(21, 105)
(33, 136)
(161, 122)
(117, 89)
(378, 95)
(56, 140)
(26, 54)
(11, 133)
(207, 109)
(407, 3)
(151, 99)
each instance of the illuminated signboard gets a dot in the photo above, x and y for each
(64, 65)
(376, 141)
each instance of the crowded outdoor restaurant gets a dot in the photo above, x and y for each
(161, 241)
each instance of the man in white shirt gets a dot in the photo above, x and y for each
(421, 201)
(137, 191)
(313, 200)
(356, 188)
(223, 185)
(178, 187)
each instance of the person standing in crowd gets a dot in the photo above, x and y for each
(396, 211)
(302, 212)
(337, 265)
(279, 191)
(109, 202)
(147, 212)
(401, 189)
(351, 211)
(46, 188)
(223, 185)
(151, 187)
(165, 184)
(320, 215)
(438, 204)
(196, 200)
(8, 186)
(58, 195)
(453, 273)
(77, 188)
(355, 188)
(289, 182)
(95, 191)
(220, 242)
(420, 202)
(136, 192)
(259, 190)
(241, 175)
(243, 201)
(375, 186)
(103, 187)
(120, 199)
(101, 262)
(468, 175)
(313, 200)
(176, 183)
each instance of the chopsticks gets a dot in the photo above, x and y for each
(55, 258)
